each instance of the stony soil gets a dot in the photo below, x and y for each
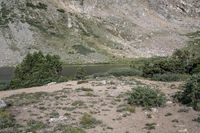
(105, 100)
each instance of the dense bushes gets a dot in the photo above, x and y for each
(191, 93)
(181, 63)
(146, 97)
(169, 77)
(37, 69)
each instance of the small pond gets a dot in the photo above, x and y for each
(6, 73)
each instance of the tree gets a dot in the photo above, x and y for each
(37, 69)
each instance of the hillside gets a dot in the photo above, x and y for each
(95, 31)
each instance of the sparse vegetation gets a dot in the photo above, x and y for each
(37, 69)
(146, 97)
(87, 121)
(150, 126)
(78, 103)
(25, 99)
(68, 129)
(33, 125)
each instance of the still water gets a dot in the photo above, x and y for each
(6, 73)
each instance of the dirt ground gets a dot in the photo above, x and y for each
(105, 100)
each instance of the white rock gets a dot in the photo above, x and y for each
(183, 131)
(60, 118)
(169, 102)
(2, 104)
(154, 110)
(52, 83)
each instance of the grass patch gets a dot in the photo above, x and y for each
(68, 129)
(150, 126)
(33, 125)
(78, 103)
(126, 108)
(26, 99)
(82, 49)
(54, 114)
(87, 121)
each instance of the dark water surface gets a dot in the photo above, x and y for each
(6, 73)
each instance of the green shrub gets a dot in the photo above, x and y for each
(37, 69)
(38, 6)
(191, 93)
(81, 73)
(125, 72)
(146, 97)
(169, 77)
(3, 85)
(6, 119)
(162, 66)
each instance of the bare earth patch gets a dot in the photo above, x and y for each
(97, 106)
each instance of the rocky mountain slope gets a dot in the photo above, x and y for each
(93, 31)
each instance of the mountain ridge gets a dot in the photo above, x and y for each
(95, 31)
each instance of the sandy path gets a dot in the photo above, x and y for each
(47, 88)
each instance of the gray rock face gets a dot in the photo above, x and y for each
(2, 104)
(94, 31)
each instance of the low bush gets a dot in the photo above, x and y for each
(81, 73)
(125, 72)
(37, 69)
(146, 97)
(3, 85)
(38, 6)
(6, 119)
(169, 77)
(191, 93)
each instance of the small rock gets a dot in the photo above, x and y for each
(154, 110)
(169, 102)
(103, 82)
(2, 104)
(183, 131)
(52, 83)
(61, 118)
